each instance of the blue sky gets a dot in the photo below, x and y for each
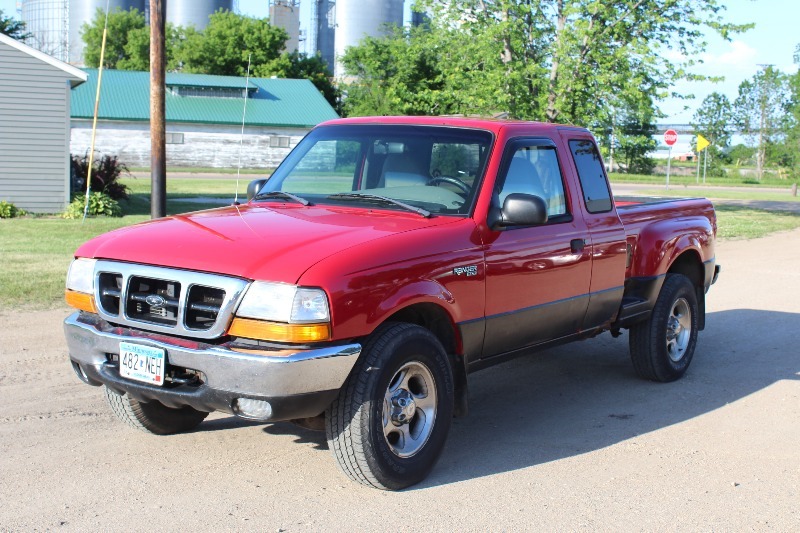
(772, 41)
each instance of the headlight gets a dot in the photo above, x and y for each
(80, 276)
(80, 285)
(282, 313)
(279, 302)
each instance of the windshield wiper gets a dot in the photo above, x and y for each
(380, 199)
(281, 194)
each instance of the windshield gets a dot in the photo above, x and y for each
(434, 169)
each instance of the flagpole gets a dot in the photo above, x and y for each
(705, 164)
(697, 153)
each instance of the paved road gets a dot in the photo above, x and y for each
(567, 440)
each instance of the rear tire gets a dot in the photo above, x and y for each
(389, 424)
(153, 417)
(662, 347)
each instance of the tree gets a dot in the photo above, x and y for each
(223, 47)
(714, 121)
(556, 60)
(741, 154)
(295, 65)
(634, 132)
(402, 74)
(13, 28)
(761, 111)
(793, 134)
(120, 25)
(137, 48)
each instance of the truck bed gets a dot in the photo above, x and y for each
(636, 212)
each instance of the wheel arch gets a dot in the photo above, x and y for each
(438, 321)
(689, 263)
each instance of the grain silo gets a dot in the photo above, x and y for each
(356, 19)
(323, 32)
(48, 24)
(195, 12)
(83, 11)
(286, 14)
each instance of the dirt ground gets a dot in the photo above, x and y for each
(569, 439)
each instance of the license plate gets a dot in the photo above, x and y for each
(142, 363)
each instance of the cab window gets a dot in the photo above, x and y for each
(596, 194)
(534, 170)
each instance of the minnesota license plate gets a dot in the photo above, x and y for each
(142, 363)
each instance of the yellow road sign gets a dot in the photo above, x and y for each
(702, 143)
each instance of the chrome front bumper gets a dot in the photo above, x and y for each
(298, 383)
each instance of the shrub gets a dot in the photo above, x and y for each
(105, 175)
(9, 210)
(100, 204)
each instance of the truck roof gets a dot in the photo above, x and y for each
(489, 124)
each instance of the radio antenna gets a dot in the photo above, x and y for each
(241, 139)
(94, 118)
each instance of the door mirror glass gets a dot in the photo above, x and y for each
(253, 187)
(521, 209)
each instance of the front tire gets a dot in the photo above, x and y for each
(389, 424)
(663, 346)
(153, 417)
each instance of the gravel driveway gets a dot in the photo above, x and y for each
(569, 439)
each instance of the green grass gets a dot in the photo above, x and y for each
(36, 251)
(192, 187)
(207, 170)
(731, 180)
(737, 222)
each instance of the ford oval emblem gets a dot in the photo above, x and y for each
(154, 300)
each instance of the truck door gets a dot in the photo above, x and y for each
(537, 277)
(607, 235)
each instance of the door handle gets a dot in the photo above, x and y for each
(577, 245)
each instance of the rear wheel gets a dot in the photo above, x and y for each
(662, 347)
(389, 424)
(153, 417)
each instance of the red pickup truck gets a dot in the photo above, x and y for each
(384, 261)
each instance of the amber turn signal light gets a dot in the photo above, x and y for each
(80, 300)
(278, 332)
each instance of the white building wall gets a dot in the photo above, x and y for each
(215, 146)
(34, 128)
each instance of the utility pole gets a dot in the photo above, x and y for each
(158, 145)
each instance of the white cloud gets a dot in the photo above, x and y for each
(739, 53)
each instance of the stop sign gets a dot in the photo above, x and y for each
(670, 137)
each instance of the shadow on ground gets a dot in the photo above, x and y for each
(585, 396)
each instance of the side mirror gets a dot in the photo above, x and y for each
(520, 210)
(254, 186)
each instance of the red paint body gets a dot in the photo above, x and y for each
(374, 262)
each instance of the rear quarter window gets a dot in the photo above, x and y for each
(596, 194)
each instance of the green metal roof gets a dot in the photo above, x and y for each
(125, 95)
(204, 80)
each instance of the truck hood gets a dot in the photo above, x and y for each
(264, 242)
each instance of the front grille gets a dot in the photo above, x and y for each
(153, 300)
(203, 306)
(186, 303)
(110, 290)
